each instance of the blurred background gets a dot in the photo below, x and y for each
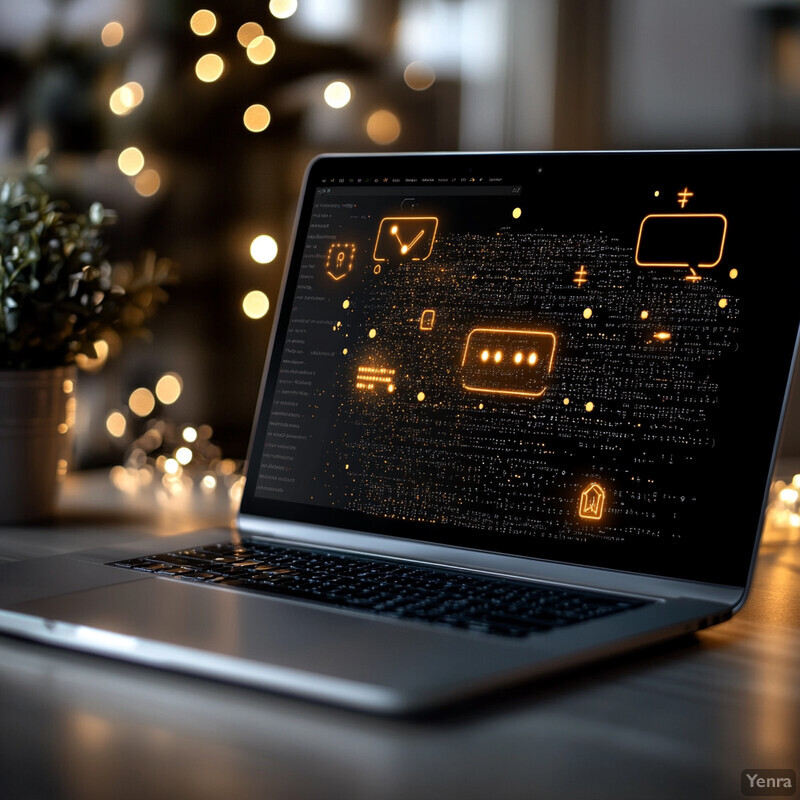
(195, 122)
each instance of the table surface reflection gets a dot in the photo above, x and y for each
(681, 720)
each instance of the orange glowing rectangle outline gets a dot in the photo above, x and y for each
(682, 263)
(526, 332)
(435, 220)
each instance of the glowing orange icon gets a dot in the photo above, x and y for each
(683, 196)
(508, 361)
(580, 276)
(593, 502)
(427, 319)
(340, 259)
(368, 379)
(693, 241)
(405, 238)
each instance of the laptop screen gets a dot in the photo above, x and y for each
(574, 357)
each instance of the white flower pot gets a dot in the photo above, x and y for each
(37, 414)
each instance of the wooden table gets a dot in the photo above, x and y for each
(678, 721)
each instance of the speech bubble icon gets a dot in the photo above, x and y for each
(508, 361)
(681, 240)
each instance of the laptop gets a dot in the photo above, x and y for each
(520, 412)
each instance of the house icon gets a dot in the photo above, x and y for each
(593, 501)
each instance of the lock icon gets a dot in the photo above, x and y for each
(339, 260)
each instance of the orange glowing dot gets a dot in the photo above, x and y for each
(112, 34)
(566, 401)
(261, 50)
(498, 356)
(587, 312)
(656, 193)
(346, 304)
(209, 67)
(248, 32)
(645, 314)
(516, 213)
(390, 388)
(734, 274)
(518, 358)
(372, 333)
(533, 358)
(344, 351)
(203, 22)
(485, 356)
(421, 396)
(723, 303)
(589, 406)
(662, 336)
(256, 118)
(383, 127)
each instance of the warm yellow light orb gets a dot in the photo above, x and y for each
(115, 424)
(189, 434)
(419, 76)
(203, 22)
(141, 402)
(169, 388)
(516, 213)
(209, 67)
(255, 304)
(131, 161)
(282, 9)
(183, 455)
(261, 50)
(263, 249)
(383, 127)
(112, 34)
(337, 94)
(256, 118)
(147, 182)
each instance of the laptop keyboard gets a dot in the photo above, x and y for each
(434, 595)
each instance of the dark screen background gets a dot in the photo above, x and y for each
(623, 443)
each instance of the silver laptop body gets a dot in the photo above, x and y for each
(568, 368)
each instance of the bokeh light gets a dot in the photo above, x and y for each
(255, 304)
(112, 34)
(147, 182)
(203, 22)
(256, 118)
(131, 161)
(337, 94)
(383, 127)
(141, 402)
(209, 67)
(263, 249)
(282, 9)
(261, 50)
(116, 424)
(169, 388)
(419, 76)
(248, 32)
(125, 98)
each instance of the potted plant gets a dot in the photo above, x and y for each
(59, 296)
